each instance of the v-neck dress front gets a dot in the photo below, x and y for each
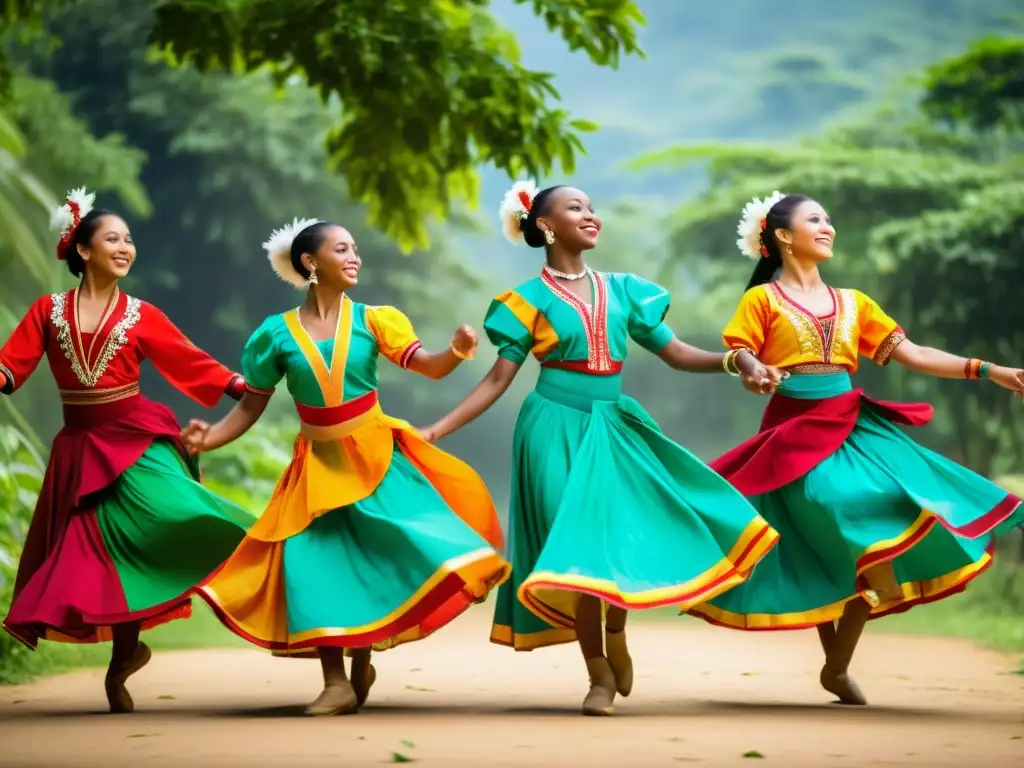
(373, 536)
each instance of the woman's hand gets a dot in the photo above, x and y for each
(464, 342)
(194, 436)
(428, 433)
(1008, 378)
(757, 377)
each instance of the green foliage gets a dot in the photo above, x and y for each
(911, 209)
(21, 477)
(247, 470)
(430, 89)
(983, 88)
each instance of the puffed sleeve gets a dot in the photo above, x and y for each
(879, 333)
(189, 369)
(396, 338)
(506, 331)
(749, 324)
(26, 346)
(261, 363)
(648, 305)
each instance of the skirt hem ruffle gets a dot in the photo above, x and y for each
(442, 598)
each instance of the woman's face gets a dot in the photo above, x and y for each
(337, 259)
(571, 217)
(111, 251)
(811, 234)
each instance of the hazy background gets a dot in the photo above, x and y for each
(734, 98)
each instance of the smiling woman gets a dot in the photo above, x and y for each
(122, 530)
(607, 513)
(373, 537)
(871, 523)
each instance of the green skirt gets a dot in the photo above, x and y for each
(604, 504)
(880, 498)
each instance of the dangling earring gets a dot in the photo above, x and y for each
(789, 250)
(312, 274)
(549, 237)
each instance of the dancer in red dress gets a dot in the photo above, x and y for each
(122, 530)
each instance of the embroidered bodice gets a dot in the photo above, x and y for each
(111, 356)
(781, 332)
(546, 319)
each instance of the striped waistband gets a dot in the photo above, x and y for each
(817, 368)
(98, 396)
(333, 422)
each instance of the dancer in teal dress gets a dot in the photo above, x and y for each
(373, 537)
(606, 511)
(871, 523)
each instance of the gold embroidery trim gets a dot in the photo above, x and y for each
(816, 368)
(117, 339)
(807, 336)
(98, 396)
(846, 322)
(885, 349)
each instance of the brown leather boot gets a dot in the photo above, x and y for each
(118, 698)
(600, 700)
(835, 677)
(620, 661)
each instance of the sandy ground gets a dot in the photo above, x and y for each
(702, 695)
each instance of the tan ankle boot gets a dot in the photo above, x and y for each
(337, 697)
(600, 700)
(835, 677)
(620, 661)
(364, 675)
(118, 698)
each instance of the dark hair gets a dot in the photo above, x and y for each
(82, 235)
(779, 217)
(309, 241)
(532, 234)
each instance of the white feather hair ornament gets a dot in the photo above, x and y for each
(752, 225)
(65, 219)
(515, 207)
(279, 251)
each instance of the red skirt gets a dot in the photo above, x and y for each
(67, 588)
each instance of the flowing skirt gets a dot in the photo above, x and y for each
(411, 548)
(848, 490)
(604, 504)
(122, 531)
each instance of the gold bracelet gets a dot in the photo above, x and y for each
(729, 362)
(458, 354)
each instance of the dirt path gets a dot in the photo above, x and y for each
(702, 695)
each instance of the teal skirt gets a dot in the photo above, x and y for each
(604, 504)
(879, 499)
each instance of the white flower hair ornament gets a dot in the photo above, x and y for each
(279, 251)
(516, 206)
(753, 223)
(66, 219)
